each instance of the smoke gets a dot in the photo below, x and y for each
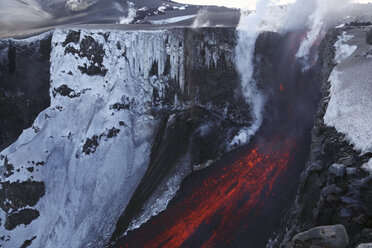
(132, 13)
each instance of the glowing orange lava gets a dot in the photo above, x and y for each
(251, 177)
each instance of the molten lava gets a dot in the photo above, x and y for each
(226, 197)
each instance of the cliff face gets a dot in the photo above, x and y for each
(24, 84)
(335, 185)
(128, 112)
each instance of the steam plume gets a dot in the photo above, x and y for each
(248, 31)
(317, 13)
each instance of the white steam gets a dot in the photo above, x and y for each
(201, 19)
(132, 12)
(248, 31)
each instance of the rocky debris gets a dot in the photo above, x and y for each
(321, 237)
(24, 85)
(369, 37)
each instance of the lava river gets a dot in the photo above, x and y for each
(239, 200)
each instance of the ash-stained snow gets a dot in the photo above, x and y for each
(350, 93)
(93, 143)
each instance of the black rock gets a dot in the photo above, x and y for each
(24, 216)
(369, 37)
(19, 195)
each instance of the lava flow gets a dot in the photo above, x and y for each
(239, 200)
(224, 199)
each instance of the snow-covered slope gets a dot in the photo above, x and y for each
(91, 147)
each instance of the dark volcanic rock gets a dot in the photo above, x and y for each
(24, 85)
(369, 37)
(15, 200)
(24, 216)
(14, 196)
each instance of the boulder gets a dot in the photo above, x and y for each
(321, 237)
(369, 37)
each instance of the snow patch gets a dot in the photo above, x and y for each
(343, 51)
